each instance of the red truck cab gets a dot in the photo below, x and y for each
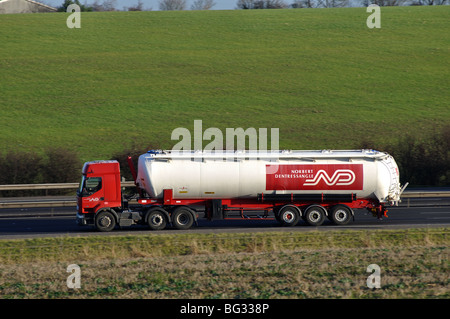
(99, 191)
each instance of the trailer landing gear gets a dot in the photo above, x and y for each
(379, 212)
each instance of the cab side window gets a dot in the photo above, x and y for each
(93, 184)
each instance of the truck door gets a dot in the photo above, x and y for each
(92, 192)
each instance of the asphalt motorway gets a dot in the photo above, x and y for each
(56, 222)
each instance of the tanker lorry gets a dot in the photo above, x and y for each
(176, 188)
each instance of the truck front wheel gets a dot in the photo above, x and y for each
(105, 221)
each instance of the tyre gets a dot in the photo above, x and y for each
(182, 218)
(315, 215)
(341, 214)
(105, 221)
(289, 215)
(156, 218)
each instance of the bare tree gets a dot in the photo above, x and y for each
(332, 3)
(275, 4)
(203, 4)
(138, 7)
(245, 4)
(106, 5)
(172, 5)
(384, 3)
(304, 4)
(428, 2)
(261, 4)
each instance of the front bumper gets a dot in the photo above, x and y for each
(84, 219)
(81, 220)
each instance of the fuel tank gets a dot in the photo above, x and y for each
(369, 174)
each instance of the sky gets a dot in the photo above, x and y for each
(153, 4)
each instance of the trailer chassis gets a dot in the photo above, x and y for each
(183, 213)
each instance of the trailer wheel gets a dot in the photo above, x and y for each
(105, 221)
(341, 214)
(289, 215)
(315, 215)
(156, 219)
(182, 218)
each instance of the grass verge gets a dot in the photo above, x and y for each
(316, 264)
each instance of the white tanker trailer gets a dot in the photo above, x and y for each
(174, 187)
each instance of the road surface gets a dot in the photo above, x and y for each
(56, 222)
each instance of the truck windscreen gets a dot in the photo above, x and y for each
(89, 186)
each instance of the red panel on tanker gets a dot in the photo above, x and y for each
(314, 177)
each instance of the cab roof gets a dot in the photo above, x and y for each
(101, 167)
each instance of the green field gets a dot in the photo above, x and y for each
(319, 75)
